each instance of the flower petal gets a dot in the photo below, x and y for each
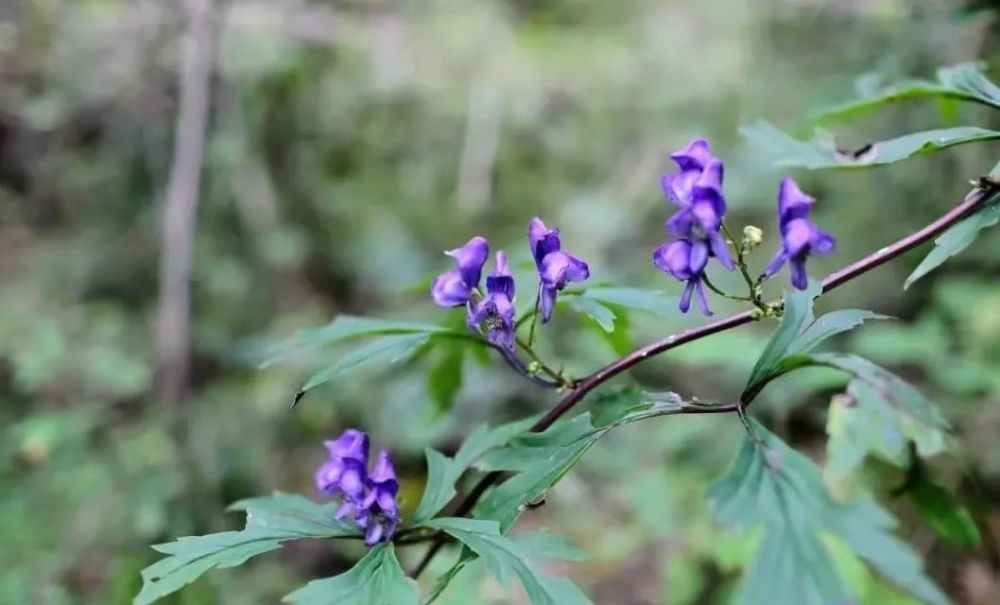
(793, 203)
(798, 234)
(374, 534)
(685, 302)
(721, 250)
(680, 223)
(694, 156)
(776, 263)
(674, 258)
(799, 277)
(501, 281)
(542, 240)
(699, 289)
(450, 290)
(383, 471)
(470, 258)
(352, 443)
(547, 300)
(822, 242)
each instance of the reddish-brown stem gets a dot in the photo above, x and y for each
(969, 205)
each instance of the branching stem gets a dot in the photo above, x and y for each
(583, 387)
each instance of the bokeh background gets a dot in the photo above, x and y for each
(349, 143)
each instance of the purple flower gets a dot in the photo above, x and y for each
(702, 210)
(454, 288)
(800, 237)
(495, 311)
(344, 472)
(378, 514)
(370, 498)
(685, 260)
(555, 267)
(690, 162)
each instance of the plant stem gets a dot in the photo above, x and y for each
(552, 373)
(970, 204)
(534, 318)
(745, 271)
(721, 293)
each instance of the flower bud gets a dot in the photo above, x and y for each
(752, 237)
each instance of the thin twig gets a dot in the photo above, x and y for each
(180, 207)
(970, 204)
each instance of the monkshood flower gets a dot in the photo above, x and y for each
(685, 260)
(800, 237)
(343, 474)
(690, 162)
(454, 287)
(378, 514)
(369, 498)
(494, 314)
(702, 208)
(555, 267)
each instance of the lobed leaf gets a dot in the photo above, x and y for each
(946, 516)
(392, 347)
(775, 488)
(346, 327)
(444, 377)
(963, 82)
(957, 238)
(377, 579)
(443, 472)
(799, 333)
(270, 521)
(649, 301)
(593, 309)
(821, 152)
(540, 460)
(505, 558)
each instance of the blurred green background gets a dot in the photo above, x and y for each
(348, 144)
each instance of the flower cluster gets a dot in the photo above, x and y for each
(799, 235)
(696, 188)
(369, 497)
(492, 314)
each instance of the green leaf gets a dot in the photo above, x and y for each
(604, 316)
(957, 238)
(505, 557)
(821, 152)
(800, 332)
(943, 513)
(547, 545)
(874, 383)
(778, 489)
(444, 378)
(650, 301)
(270, 521)
(880, 415)
(444, 472)
(542, 459)
(346, 327)
(963, 82)
(377, 579)
(395, 347)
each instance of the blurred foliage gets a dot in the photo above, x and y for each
(349, 144)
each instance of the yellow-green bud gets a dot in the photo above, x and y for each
(752, 237)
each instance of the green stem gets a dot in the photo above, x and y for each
(752, 285)
(534, 320)
(544, 367)
(719, 291)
